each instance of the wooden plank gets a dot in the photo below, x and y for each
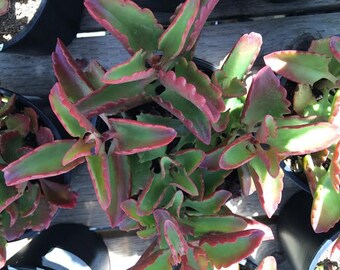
(235, 9)
(34, 75)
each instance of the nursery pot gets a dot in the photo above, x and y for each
(53, 19)
(301, 244)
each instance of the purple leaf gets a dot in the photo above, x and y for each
(44, 135)
(32, 115)
(266, 97)
(149, 136)
(69, 75)
(58, 194)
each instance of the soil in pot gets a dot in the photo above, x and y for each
(20, 13)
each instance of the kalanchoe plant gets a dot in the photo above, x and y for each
(28, 205)
(172, 135)
(317, 74)
(4, 6)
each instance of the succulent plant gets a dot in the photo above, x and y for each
(172, 135)
(4, 6)
(29, 205)
(317, 74)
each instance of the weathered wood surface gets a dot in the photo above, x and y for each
(33, 75)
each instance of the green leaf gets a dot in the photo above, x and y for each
(7, 194)
(10, 142)
(180, 179)
(4, 7)
(18, 122)
(29, 201)
(224, 250)
(334, 45)
(3, 252)
(78, 150)
(152, 154)
(149, 136)
(299, 140)
(265, 97)
(130, 208)
(94, 72)
(156, 261)
(173, 40)
(140, 175)
(175, 205)
(300, 67)
(142, 32)
(190, 159)
(212, 180)
(44, 161)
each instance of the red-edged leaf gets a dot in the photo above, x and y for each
(44, 135)
(267, 129)
(112, 99)
(253, 224)
(266, 97)
(268, 263)
(10, 142)
(193, 118)
(299, 66)
(29, 201)
(247, 183)
(94, 72)
(152, 195)
(334, 117)
(176, 242)
(299, 140)
(175, 205)
(173, 40)
(190, 159)
(237, 153)
(222, 122)
(203, 85)
(196, 259)
(205, 9)
(335, 252)
(43, 161)
(158, 260)
(58, 194)
(4, 7)
(224, 250)
(32, 115)
(142, 32)
(42, 216)
(7, 194)
(130, 208)
(212, 158)
(127, 224)
(120, 183)
(68, 114)
(99, 167)
(242, 56)
(334, 168)
(132, 70)
(268, 188)
(270, 157)
(212, 180)
(13, 212)
(149, 136)
(78, 150)
(180, 179)
(18, 122)
(69, 75)
(188, 91)
(334, 45)
(3, 252)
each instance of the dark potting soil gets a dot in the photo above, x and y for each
(19, 15)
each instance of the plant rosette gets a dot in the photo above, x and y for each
(162, 173)
(30, 205)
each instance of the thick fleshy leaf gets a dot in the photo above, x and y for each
(94, 72)
(149, 136)
(246, 181)
(140, 175)
(270, 157)
(320, 46)
(152, 154)
(44, 135)
(10, 143)
(142, 32)
(78, 150)
(203, 86)
(299, 140)
(19, 122)
(152, 194)
(300, 67)
(196, 259)
(43, 161)
(58, 194)
(206, 8)
(266, 97)
(13, 212)
(335, 252)
(334, 117)
(334, 45)
(303, 97)
(42, 216)
(222, 122)
(268, 188)
(182, 87)
(237, 153)
(3, 252)
(112, 99)
(267, 129)
(158, 260)
(68, 114)
(211, 204)
(212, 158)
(180, 179)
(69, 74)
(130, 208)
(173, 40)
(268, 263)
(7, 194)
(224, 250)
(29, 201)
(193, 118)
(175, 205)
(212, 180)
(7, 107)
(190, 159)
(99, 167)
(120, 183)
(4, 7)
(215, 224)
(127, 224)
(132, 70)
(334, 168)
(242, 56)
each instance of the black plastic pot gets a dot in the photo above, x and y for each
(301, 244)
(53, 19)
